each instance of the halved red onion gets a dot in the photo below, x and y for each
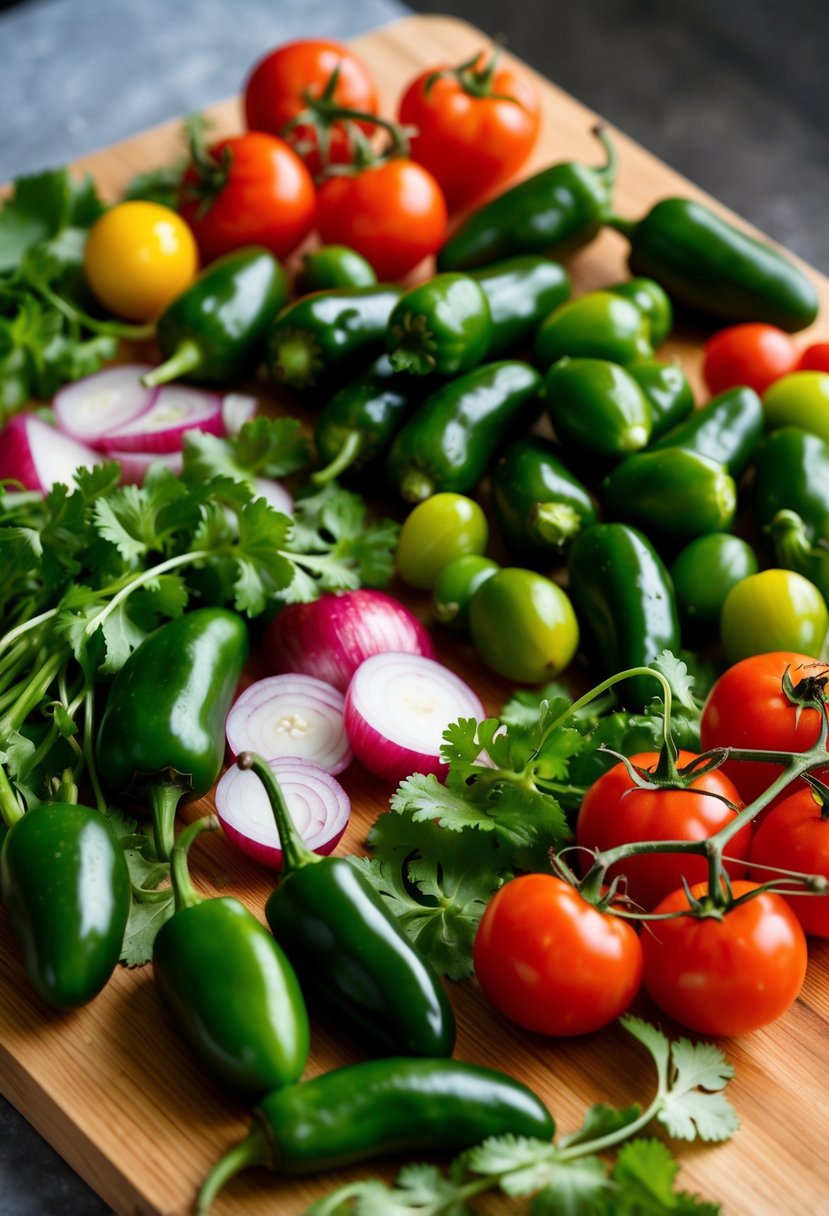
(291, 715)
(319, 806)
(396, 710)
(332, 636)
(134, 465)
(176, 409)
(39, 455)
(237, 409)
(89, 409)
(274, 493)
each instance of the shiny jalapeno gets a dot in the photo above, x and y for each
(538, 504)
(791, 471)
(652, 301)
(442, 326)
(521, 291)
(669, 394)
(674, 492)
(331, 266)
(704, 572)
(727, 430)
(597, 407)
(599, 325)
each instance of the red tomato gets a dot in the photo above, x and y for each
(796, 837)
(553, 963)
(747, 708)
(753, 354)
(815, 358)
(725, 975)
(266, 199)
(615, 811)
(273, 93)
(393, 213)
(470, 140)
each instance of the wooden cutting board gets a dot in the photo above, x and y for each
(112, 1087)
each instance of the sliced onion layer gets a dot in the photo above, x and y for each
(134, 465)
(175, 410)
(319, 806)
(91, 408)
(39, 455)
(396, 710)
(291, 715)
(237, 409)
(274, 494)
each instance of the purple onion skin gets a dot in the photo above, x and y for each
(267, 856)
(331, 637)
(387, 760)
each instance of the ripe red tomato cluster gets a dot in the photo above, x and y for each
(756, 354)
(553, 962)
(474, 126)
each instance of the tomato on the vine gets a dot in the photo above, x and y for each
(392, 212)
(754, 354)
(248, 190)
(552, 962)
(275, 93)
(616, 811)
(476, 125)
(725, 974)
(815, 358)
(796, 837)
(747, 708)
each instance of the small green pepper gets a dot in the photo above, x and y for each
(625, 601)
(456, 585)
(523, 626)
(538, 504)
(441, 326)
(791, 471)
(652, 301)
(668, 391)
(377, 1108)
(599, 325)
(215, 331)
(707, 264)
(556, 211)
(727, 430)
(162, 732)
(521, 291)
(674, 492)
(598, 407)
(799, 399)
(330, 266)
(453, 435)
(704, 572)
(232, 991)
(67, 893)
(320, 336)
(794, 551)
(349, 950)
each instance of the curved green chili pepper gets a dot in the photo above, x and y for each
(668, 391)
(599, 325)
(441, 326)
(727, 429)
(521, 291)
(215, 330)
(557, 211)
(597, 406)
(674, 492)
(330, 266)
(652, 301)
(347, 947)
(538, 504)
(791, 471)
(231, 989)
(377, 1108)
(162, 733)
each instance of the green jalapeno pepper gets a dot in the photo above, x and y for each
(652, 301)
(675, 492)
(162, 732)
(228, 984)
(707, 264)
(359, 423)
(521, 291)
(347, 947)
(668, 391)
(727, 430)
(456, 585)
(67, 893)
(597, 406)
(538, 504)
(794, 551)
(599, 325)
(625, 601)
(791, 471)
(378, 1108)
(704, 572)
(442, 326)
(451, 438)
(556, 211)
(332, 266)
(215, 330)
(322, 334)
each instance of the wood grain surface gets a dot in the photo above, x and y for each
(112, 1087)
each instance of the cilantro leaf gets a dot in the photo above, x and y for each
(145, 920)
(333, 522)
(423, 797)
(264, 447)
(694, 1105)
(575, 1188)
(644, 1176)
(601, 1120)
(528, 1162)
(39, 206)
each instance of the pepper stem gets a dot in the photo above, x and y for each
(608, 171)
(295, 358)
(185, 358)
(554, 523)
(348, 453)
(184, 893)
(253, 1150)
(295, 852)
(416, 486)
(164, 799)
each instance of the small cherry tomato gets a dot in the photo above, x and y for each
(393, 213)
(815, 358)
(616, 811)
(476, 125)
(437, 531)
(523, 626)
(552, 962)
(796, 837)
(249, 190)
(800, 399)
(138, 257)
(754, 354)
(274, 94)
(725, 974)
(773, 610)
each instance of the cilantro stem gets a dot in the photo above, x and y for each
(140, 580)
(19, 630)
(89, 750)
(32, 694)
(10, 808)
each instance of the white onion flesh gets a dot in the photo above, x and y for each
(39, 455)
(274, 494)
(175, 410)
(291, 715)
(91, 408)
(134, 465)
(237, 409)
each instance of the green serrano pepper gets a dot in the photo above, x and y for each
(441, 326)
(675, 492)
(668, 391)
(332, 266)
(378, 1108)
(727, 430)
(453, 435)
(652, 301)
(538, 504)
(599, 325)
(597, 407)
(521, 291)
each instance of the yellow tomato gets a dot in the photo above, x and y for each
(138, 258)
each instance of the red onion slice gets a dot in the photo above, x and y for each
(291, 715)
(237, 409)
(134, 465)
(396, 710)
(318, 804)
(92, 407)
(39, 455)
(274, 493)
(176, 409)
